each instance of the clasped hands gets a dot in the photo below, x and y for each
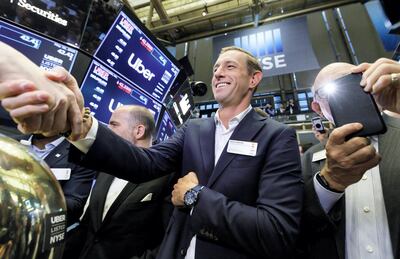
(53, 107)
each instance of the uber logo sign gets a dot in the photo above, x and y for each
(265, 45)
(139, 67)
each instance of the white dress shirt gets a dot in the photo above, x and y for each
(42, 153)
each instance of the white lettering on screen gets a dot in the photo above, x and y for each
(47, 14)
(140, 68)
(277, 61)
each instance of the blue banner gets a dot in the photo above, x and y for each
(282, 47)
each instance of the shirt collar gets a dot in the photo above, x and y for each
(238, 118)
(52, 144)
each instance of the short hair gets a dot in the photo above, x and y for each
(253, 64)
(141, 115)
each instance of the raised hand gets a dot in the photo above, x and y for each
(382, 79)
(347, 161)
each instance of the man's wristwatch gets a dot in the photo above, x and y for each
(191, 196)
(322, 181)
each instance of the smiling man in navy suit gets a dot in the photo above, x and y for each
(240, 191)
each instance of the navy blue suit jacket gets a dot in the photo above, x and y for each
(250, 207)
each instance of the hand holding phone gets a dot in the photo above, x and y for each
(318, 125)
(350, 103)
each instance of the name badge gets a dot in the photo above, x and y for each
(318, 156)
(242, 147)
(61, 173)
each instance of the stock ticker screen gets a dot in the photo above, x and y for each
(128, 49)
(104, 91)
(43, 52)
(166, 129)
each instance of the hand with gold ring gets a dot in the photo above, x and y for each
(382, 79)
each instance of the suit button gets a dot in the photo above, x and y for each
(183, 252)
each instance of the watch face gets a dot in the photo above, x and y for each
(190, 198)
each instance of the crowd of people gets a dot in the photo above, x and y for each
(238, 187)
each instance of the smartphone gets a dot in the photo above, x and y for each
(318, 125)
(349, 103)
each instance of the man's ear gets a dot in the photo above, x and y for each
(315, 107)
(140, 131)
(255, 79)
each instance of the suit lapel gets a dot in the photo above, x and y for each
(98, 198)
(57, 154)
(245, 131)
(128, 189)
(207, 143)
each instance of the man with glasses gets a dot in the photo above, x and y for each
(351, 207)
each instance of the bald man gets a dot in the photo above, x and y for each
(125, 220)
(351, 207)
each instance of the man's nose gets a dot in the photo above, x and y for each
(218, 72)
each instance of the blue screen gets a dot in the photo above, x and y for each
(128, 50)
(167, 128)
(104, 91)
(43, 52)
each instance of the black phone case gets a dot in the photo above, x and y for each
(349, 103)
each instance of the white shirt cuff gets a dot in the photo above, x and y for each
(85, 143)
(326, 197)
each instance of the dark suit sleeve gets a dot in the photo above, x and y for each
(315, 217)
(317, 227)
(76, 191)
(148, 164)
(268, 228)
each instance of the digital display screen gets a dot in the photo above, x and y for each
(181, 106)
(63, 20)
(104, 91)
(43, 52)
(128, 50)
(166, 129)
(102, 15)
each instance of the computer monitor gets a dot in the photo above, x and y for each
(42, 51)
(166, 128)
(104, 91)
(181, 106)
(63, 20)
(132, 50)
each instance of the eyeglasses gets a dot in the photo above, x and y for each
(324, 91)
(321, 94)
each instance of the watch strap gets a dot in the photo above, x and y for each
(324, 183)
